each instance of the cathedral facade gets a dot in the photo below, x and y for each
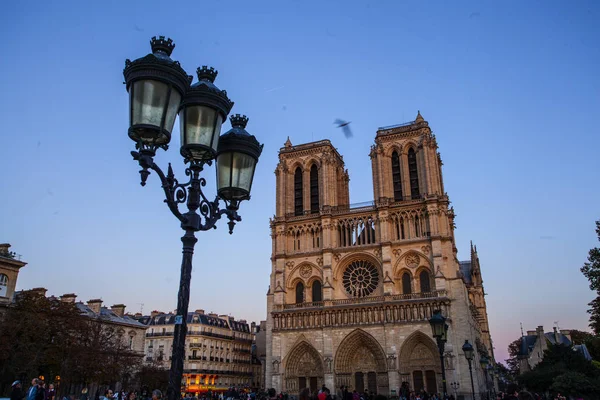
(352, 287)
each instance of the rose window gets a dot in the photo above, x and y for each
(360, 278)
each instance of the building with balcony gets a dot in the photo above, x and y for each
(352, 286)
(218, 349)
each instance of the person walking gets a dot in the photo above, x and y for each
(16, 393)
(33, 389)
(108, 395)
(156, 394)
(40, 393)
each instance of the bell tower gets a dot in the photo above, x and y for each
(405, 161)
(310, 177)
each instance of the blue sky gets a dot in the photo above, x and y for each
(511, 90)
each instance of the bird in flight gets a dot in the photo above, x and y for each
(345, 127)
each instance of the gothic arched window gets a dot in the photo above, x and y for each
(298, 208)
(406, 285)
(425, 283)
(396, 177)
(299, 292)
(316, 291)
(314, 189)
(413, 174)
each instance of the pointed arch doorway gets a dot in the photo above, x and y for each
(360, 364)
(303, 369)
(419, 363)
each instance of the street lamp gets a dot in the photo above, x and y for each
(159, 89)
(467, 348)
(455, 386)
(483, 360)
(440, 333)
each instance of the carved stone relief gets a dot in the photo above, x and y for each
(305, 271)
(412, 260)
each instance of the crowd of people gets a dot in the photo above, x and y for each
(39, 391)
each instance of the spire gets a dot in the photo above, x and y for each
(419, 117)
(288, 143)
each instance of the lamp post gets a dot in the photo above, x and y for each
(159, 89)
(455, 386)
(440, 333)
(483, 360)
(467, 348)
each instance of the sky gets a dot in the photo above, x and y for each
(511, 90)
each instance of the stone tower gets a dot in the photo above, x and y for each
(352, 287)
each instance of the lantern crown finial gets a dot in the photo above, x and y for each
(238, 121)
(162, 45)
(206, 73)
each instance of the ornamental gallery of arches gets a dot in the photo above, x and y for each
(360, 363)
(359, 276)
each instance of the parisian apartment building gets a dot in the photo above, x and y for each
(218, 350)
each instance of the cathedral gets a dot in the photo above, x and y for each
(353, 286)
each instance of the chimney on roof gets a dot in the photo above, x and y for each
(567, 334)
(118, 309)
(39, 291)
(253, 327)
(223, 316)
(68, 298)
(95, 305)
(556, 336)
(242, 321)
(155, 313)
(540, 330)
(137, 314)
(213, 315)
(530, 333)
(4, 248)
(199, 311)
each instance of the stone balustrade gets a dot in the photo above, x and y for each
(400, 308)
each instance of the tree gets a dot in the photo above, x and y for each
(591, 270)
(153, 376)
(45, 336)
(563, 370)
(592, 342)
(575, 384)
(513, 361)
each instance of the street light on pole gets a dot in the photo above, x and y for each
(159, 89)
(440, 333)
(455, 386)
(483, 360)
(467, 348)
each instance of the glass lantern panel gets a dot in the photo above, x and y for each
(174, 102)
(149, 99)
(201, 123)
(243, 169)
(223, 170)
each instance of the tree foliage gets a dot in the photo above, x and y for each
(592, 342)
(564, 371)
(45, 336)
(513, 361)
(591, 270)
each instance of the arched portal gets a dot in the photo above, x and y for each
(420, 363)
(360, 364)
(303, 368)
